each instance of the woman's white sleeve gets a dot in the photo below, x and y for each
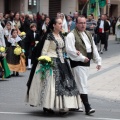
(45, 47)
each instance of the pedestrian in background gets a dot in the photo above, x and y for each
(71, 24)
(13, 60)
(107, 33)
(101, 30)
(113, 24)
(32, 38)
(45, 25)
(7, 32)
(17, 22)
(2, 40)
(117, 30)
(64, 23)
(91, 26)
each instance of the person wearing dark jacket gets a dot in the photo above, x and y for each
(32, 38)
(40, 24)
(101, 30)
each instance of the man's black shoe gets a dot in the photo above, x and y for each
(90, 111)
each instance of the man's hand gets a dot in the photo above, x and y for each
(86, 60)
(92, 26)
(98, 67)
(78, 52)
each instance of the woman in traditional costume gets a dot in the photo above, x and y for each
(57, 91)
(7, 32)
(2, 40)
(64, 23)
(17, 22)
(117, 30)
(15, 55)
(4, 69)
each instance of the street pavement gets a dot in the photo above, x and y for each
(103, 86)
(106, 82)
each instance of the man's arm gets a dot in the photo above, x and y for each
(96, 57)
(71, 50)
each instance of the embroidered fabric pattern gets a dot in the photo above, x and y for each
(64, 83)
(43, 91)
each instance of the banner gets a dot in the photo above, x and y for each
(93, 8)
(96, 12)
(102, 3)
(92, 5)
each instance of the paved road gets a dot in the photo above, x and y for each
(102, 97)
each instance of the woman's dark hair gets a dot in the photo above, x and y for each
(13, 31)
(37, 50)
(51, 23)
(15, 14)
(9, 22)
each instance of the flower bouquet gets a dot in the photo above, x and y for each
(46, 64)
(2, 50)
(22, 35)
(17, 50)
(64, 33)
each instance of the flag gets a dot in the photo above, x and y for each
(92, 4)
(102, 3)
(96, 12)
(88, 9)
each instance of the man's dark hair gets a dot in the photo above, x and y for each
(80, 16)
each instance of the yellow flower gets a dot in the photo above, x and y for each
(44, 58)
(17, 51)
(22, 34)
(48, 59)
(2, 49)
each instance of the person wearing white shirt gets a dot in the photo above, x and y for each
(81, 40)
(102, 30)
(2, 40)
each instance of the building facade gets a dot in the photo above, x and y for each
(51, 7)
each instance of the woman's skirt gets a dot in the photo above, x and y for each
(57, 91)
(15, 62)
(5, 68)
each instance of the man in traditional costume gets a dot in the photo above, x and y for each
(102, 30)
(81, 40)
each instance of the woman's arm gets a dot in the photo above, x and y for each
(45, 47)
